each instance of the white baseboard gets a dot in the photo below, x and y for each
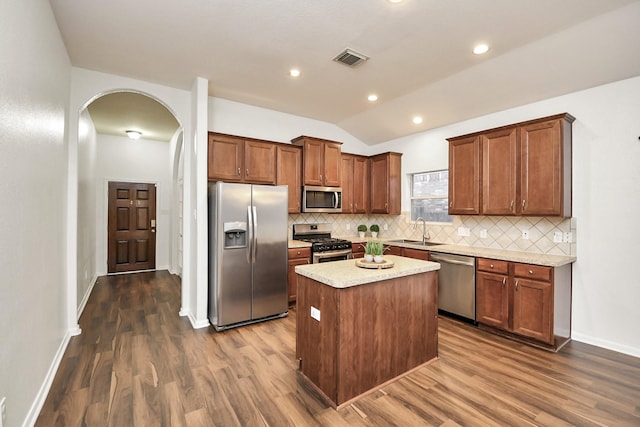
(620, 348)
(86, 296)
(36, 406)
(197, 324)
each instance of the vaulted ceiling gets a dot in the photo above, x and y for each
(421, 61)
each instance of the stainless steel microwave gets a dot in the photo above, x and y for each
(321, 199)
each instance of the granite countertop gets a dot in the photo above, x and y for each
(344, 274)
(475, 251)
(295, 244)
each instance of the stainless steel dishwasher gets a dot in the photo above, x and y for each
(456, 284)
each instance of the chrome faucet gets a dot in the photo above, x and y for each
(425, 235)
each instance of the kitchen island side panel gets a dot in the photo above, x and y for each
(367, 334)
(385, 329)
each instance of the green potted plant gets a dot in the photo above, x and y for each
(362, 229)
(373, 251)
(374, 230)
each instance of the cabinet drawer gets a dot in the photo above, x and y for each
(299, 253)
(492, 265)
(529, 271)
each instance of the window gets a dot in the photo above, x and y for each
(430, 196)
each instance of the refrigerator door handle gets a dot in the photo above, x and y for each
(255, 234)
(250, 229)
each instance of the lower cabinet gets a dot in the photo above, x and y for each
(408, 252)
(357, 250)
(296, 256)
(526, 301)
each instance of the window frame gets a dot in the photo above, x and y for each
(412, 197)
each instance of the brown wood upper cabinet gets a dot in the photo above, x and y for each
(321, 161)
(385, 183)
(355, 183)
(237, 159)
(520, 169)
(289, 164)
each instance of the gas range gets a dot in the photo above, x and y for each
(323, 247)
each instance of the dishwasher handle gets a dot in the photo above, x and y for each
(451, 261)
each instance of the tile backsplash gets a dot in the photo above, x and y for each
(502, 232)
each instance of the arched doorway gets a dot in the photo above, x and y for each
(105, 153)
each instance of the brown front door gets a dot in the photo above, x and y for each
(132, 227)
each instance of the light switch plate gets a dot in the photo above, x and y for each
(464, 231)
(315, 313)
(483, 233)
(557, 237)
(567, 237)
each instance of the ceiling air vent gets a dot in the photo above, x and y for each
(350, 57)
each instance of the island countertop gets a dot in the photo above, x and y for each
(344, 274)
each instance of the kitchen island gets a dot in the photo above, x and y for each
(358, 328)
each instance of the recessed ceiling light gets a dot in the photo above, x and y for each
(133, 134)
(373, 97)
(480, 49)
(394, 1)
(294, 72)
(417, 120)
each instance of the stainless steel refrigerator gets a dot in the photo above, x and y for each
(247, 253)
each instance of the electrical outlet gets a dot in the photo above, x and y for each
(348, 226)
(464, 231)
(567, 237)
(385, 227)
(525, 234)
(557, 237)
(315, 313)
(3, 411)
(483, 233)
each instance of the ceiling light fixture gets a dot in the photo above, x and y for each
(133, 134)
(480, 49)
(394, 1)
(417, 120)
(294, 72)
(373, 97)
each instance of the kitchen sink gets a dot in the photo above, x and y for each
(414, 242)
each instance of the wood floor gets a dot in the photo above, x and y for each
(137, 363)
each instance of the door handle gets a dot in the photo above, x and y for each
(250, 229)
(255, 234)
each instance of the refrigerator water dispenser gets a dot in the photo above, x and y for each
(235, 235)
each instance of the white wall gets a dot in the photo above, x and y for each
(245, 120)
(87, 150)
(34, 89)
(606, 201)
(122, 159)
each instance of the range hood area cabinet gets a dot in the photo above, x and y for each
(236, 159)
(321, 161)
(521, 169)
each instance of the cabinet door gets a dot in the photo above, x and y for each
(532, 309)
(260, 162)
(289, 164)
(312, 158)
(416, 253)
(492, 299)
(464, 176)
(332, 165)
(292, 277)
(225, 157)
(385, 183)
(541, 169)
(347, 183)
(360, 185)
(499, 172)
(394, 250)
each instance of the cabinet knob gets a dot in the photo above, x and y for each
(298, 252)
(516, 285)
(450, 204)
(504, 281)
(524, 202)
(247, 170)
(238, 171)
(511, 206)
(530, 271)
(491, 266)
